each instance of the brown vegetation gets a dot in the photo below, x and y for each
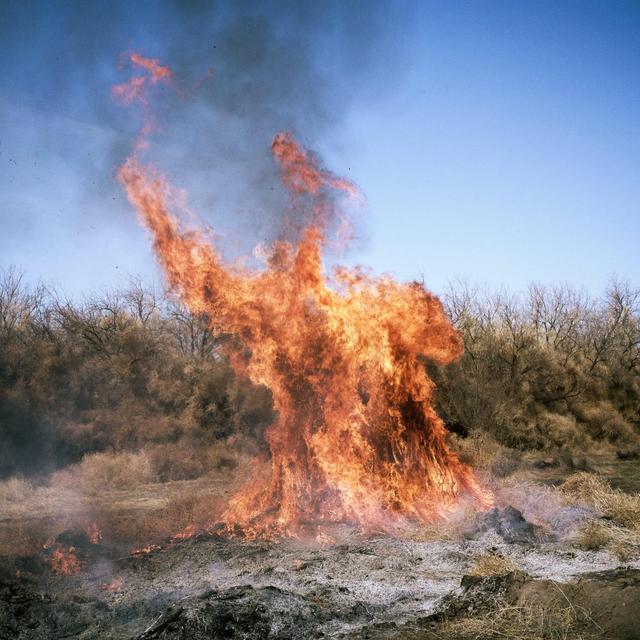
(523, 622)
(551, 371)
(127, 391)
(618, 507)
(491, 564)
(116, 373)
(619, 529)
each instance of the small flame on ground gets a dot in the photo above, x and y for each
(65, 562)
(94, 533)
(144, 550)
(188, 532)
(115, 585)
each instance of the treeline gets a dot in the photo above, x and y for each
(115, 372)
(551, 369)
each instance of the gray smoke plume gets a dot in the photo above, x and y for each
(297, 66)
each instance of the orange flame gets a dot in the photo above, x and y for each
(65, 562)
(188, 532)
(115, 585)
(357, 439)
(153, 66)
(300, 173)
(135, 89)
(145, 550)
(94, 533)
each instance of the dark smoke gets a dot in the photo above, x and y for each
(297, 66)
(276, 66)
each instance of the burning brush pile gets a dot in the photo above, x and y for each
(357, 439)
(363, 519)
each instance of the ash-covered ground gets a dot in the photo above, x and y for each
(358, 587)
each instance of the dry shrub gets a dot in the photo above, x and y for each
(177, 461)
(486, 456)
(491, 564)
(604, 421)
(597, 534)
(466, 517)
(185, 460)
(107, 471)
(167, 462)
(594, 491)
(526, 622)
(558, 430)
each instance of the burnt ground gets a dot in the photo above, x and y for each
(360, 587)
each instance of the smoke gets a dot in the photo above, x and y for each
(259, 69)
(295, 66)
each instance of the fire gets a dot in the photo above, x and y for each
(65, 562)
(135, 89)
(300, 173)
(357, 439)
(153, 66)
(115, 585)
(188, 532)
(94, 533)
(150, 548)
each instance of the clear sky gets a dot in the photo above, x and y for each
(497, 142)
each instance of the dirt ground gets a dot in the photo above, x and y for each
(358, 587)
(511, 572)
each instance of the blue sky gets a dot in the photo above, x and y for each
(497, 142)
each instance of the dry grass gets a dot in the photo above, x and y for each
(147, 515)
(486, 456)
(119, 492)
(598, 534)
(184, 511)
(619, 531)
(458, 523)
(491, 564)
(589, 489)
(20, 498)
(526, 622)
(100, 472)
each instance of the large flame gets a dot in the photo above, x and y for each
(357, 439)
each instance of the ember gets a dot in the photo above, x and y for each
(357, 439)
